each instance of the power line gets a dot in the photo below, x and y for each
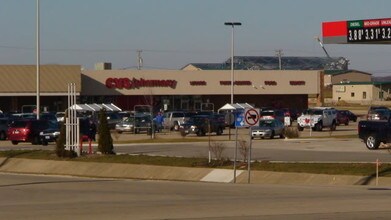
(108, 50)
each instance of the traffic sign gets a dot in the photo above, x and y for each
(251, 116)
(239, 119)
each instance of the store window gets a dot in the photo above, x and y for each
(185, 104)
(197, 105)
(381, 95)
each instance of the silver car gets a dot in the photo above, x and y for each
(135, 124)
(268, 129)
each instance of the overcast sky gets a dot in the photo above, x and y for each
(173, 33)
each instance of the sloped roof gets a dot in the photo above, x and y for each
(209, 66)
(338, 72)
(272, 63)
(53, 78)
(364, 83)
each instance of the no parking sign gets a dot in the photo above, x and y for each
(248, 118)
(251, 116)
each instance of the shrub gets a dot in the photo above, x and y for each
(243, 149)
(217, 149)
(291, 132)
(182, 133)
(105, 141)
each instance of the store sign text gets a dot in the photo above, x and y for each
(198, 83)
(126, 83)
(297, 83)
(270, 83)
(238, 83)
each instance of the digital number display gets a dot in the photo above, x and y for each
(369, 30)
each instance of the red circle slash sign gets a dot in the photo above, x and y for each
(251, 117)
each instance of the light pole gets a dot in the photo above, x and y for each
(38, 62)
(232, 24)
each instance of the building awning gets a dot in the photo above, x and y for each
(96, 107)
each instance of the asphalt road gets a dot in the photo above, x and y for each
(305, 150)
(47, 197)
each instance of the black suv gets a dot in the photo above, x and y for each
(200, 125)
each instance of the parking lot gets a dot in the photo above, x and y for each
(229, 134)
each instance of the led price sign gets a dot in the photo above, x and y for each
(369, 30)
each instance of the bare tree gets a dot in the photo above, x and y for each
(217, 149)
(243, 149)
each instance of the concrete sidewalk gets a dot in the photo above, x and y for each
(150, 172)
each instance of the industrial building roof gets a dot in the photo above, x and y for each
(272, 63)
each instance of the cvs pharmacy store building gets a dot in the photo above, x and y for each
(199, 90)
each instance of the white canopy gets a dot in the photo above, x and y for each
(235, 106)
(96, 107)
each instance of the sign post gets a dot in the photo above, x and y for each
(248, 118)
(252, 117)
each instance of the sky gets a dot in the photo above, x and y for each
(174, 33)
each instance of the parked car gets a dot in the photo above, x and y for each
(113, 118)
(174, 119)
(24, 115)
(125, 114)
(60, 116)
(4, 125)
(50, 134)
(379, 114)
(135, 124)
(371, 110)
(351, 115)
(48, 116)
(272, 114)
(342, 118)
(317, 118)
(268, 129)
(202, 124)
(26, 130)
(290, 112)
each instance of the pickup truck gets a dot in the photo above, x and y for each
(374, 132)
(172, 120)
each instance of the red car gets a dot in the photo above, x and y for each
(26, 130)
(342, 118)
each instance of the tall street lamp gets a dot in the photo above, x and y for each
(38, 63)
(232, 24)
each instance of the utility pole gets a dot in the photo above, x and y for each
(139, 60)
(279, 55)
(324, 49)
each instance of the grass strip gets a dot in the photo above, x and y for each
(358, 169)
